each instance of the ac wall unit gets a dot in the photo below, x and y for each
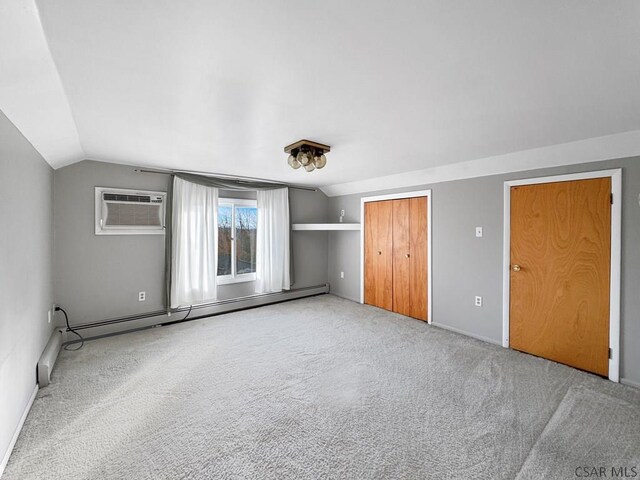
(129, 212)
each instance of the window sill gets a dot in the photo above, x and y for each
(228, 279)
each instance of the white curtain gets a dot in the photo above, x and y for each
(272, 245)
(194, 257)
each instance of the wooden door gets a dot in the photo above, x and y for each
(378, 254)
(418, 259)
(560, 269)
(402, 300)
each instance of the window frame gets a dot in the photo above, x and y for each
(235, 277)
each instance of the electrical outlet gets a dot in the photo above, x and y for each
(342, 212)
(478, 301)
(478, 232)
(142, 296)
(341, 274)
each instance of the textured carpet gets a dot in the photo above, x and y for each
(608, 437)
(316, 388)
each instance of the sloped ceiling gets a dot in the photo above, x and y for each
(394, 87)
(31, 92)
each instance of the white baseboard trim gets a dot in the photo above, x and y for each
(468, 334)
(14, 439)
(344, 297)
(630, 383)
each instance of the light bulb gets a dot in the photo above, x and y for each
(293, 163)
(320, 161)
(302, 158)
(310, 167)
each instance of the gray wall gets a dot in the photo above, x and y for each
(465, 266)
(99, 277)
(25, 272)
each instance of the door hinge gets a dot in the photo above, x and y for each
(612, 199)
(610, 355)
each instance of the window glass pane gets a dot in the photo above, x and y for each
(224, 239)
(246, 225)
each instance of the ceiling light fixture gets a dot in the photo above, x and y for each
(307, 154)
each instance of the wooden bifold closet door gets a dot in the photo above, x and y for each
(378, 261)
(396, 256)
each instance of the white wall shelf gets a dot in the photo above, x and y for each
(326, 226)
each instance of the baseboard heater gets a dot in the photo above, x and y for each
(160, 317)
(49, 357)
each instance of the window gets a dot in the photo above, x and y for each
(237, 226)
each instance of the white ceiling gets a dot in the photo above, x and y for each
(31, 93)
(223, 86)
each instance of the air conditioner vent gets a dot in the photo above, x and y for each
(127, 198)
(131, 214)
(127, 212)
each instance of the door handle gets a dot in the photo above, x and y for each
(408, 255)
(516, 268)
(379, 252)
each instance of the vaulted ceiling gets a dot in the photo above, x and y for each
(394, 87)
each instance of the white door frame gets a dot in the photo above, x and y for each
(616, 234)
(397, 196)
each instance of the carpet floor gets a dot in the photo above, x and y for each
(319, 388)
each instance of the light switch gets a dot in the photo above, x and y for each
(478, 232)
